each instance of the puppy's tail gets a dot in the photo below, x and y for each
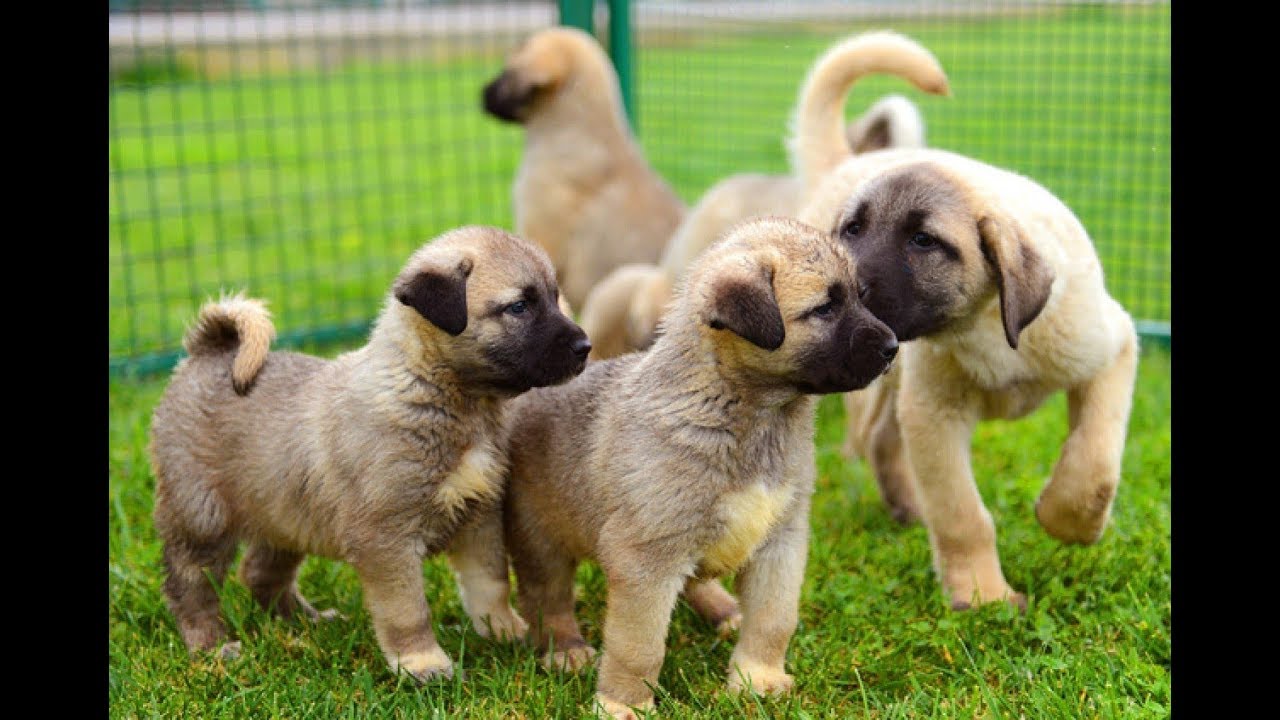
(818, 142)
(233, 322)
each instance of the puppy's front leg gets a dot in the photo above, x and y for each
(1076, 502)
(936, 433)
(393, 593)
(635, 634)
(480, 565)
(769, 590)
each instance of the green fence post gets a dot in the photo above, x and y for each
(620, 51)
(579, 14)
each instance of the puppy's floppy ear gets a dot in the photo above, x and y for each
(439, 294)
(744, 303)
(875, 135)
(1024, 277)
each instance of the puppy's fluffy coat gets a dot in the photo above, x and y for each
(997, 293)
(621, 313)
(378, 457)
(584, 191)
(691, 461)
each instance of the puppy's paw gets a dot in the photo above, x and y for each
(758, 679)
(904, 513)
(1072, 519)
(505, 625)
(327, 615)
(230, 650)
(1011, 596)
(728, 626)
(425, 666)
(610, 708)
(570, 659)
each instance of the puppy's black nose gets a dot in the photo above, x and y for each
(581, 347)
(890, 349)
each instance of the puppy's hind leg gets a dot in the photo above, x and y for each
(1076, 502)
(889, 461)
(191, 569)
(716, 605)
(198, 549)
(271, 574)
(544, 589)
(872, 431)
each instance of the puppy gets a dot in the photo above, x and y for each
(379, 457)
(691, 461)
(584, 191)
(997, 293)
(893, 121)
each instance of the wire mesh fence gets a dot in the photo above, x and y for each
(302, 150)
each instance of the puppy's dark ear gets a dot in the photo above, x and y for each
(894, 121)
(438, 294)
(874, 136)
(745, 304)
(1024, 277)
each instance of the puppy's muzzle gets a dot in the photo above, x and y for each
(890, 349)
(504, 99)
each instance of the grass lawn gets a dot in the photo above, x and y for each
(875, 637)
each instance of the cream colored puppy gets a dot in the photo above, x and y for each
(584, 191)
(621, 313)
(997, 293)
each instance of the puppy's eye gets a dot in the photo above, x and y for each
(517, 308)
(924, 240)
(851, 229)
(824, 311)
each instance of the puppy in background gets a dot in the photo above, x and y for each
(380, 457)
(997, 293)
(691, 461)
(621, 313)
(584, 191)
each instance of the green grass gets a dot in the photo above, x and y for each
(310, 188)
(875, 637)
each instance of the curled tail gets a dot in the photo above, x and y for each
(818, 142)
(232, 322)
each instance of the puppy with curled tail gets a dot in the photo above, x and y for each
(379, 457)
(621, 314)
(997, 294)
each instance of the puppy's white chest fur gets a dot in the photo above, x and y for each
(746, 516)
(477, 477)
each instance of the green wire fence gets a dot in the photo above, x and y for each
(302, 150)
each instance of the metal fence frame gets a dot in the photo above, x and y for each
(576, 13)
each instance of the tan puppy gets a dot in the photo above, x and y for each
(1000, 293)
(621, 314)
(691, 461)
(379, 457)
(584, 190)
